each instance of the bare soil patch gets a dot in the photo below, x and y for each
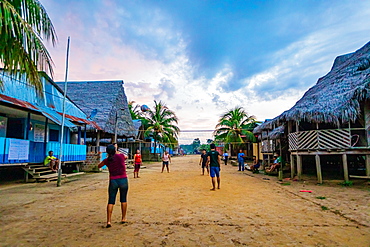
(178, 209)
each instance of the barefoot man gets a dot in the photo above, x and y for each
(214, 161)
(203, 161)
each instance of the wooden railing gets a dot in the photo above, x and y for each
(320, 139)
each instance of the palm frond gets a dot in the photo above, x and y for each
(23, 24)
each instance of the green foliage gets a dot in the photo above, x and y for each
(346, 184)
(324, 208)
(321, 197)
(162, 125)
(24, 24)
(196, 144)
(287, 183)
(134, 110)
(204, 146)
(235, 127)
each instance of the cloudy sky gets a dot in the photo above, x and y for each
(204, 57)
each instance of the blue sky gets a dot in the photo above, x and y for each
(204, 57)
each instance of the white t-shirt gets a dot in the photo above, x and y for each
(166, 157)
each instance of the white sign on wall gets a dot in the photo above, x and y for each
(18, 149)
(39, 133)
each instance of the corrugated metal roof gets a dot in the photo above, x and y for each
(52, 115)
(55, 117)
(17, 102)
(81, 120)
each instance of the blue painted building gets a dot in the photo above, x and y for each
(30, 124)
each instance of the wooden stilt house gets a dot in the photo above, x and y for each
(328, 129)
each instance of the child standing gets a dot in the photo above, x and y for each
(138, 162)
(166, 159)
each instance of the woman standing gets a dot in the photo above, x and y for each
(117, 180)
(166, 159)
(138, 161)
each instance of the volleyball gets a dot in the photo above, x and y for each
(144, 108)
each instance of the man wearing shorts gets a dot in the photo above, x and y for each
(203, 161)
(214, 161)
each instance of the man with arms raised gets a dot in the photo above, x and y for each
(214, 161)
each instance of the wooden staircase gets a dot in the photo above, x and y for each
(39, 172)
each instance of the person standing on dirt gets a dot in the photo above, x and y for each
(214, 161)
(203, 161)
(116, 164)
(226, 157)
(137, 163)
(166, 159)
(241, 160)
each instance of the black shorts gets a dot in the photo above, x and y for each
(114, 185)
(204, 165)
(165, 163)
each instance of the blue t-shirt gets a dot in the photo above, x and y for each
(240, 156)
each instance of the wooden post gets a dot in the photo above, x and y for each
(292, 167)
(25, 176)
(98, 139)
(345, 167)
(46, 136)
(299, 167)
(367, 165)
(318, 169)
(85, 135)
(79, 135)
(28, 126)
(282, 162)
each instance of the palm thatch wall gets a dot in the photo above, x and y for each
(337, 97)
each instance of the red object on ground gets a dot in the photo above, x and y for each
(309, 191)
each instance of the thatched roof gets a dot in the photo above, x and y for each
(109, 98)
(277, 132)
(261, 127)
(337, 96)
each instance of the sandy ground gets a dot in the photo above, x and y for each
(178, 209)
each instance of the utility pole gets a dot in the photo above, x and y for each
(59, 181)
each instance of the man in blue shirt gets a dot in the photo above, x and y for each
(241, 160)
(214, 160)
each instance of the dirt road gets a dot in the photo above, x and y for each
(178, 209)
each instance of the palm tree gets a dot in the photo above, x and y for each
(234, 126)
(23, 25)
(134, 110)
(162, 125)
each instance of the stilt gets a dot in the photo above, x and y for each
(25, 177)
(318, 169)
(292, 166)
(368, 165)
(97, 139)
(299, 167)
(345, 167)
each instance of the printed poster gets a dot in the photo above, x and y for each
(39, 133)
(18, 149)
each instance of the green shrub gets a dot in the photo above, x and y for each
(346, 184)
